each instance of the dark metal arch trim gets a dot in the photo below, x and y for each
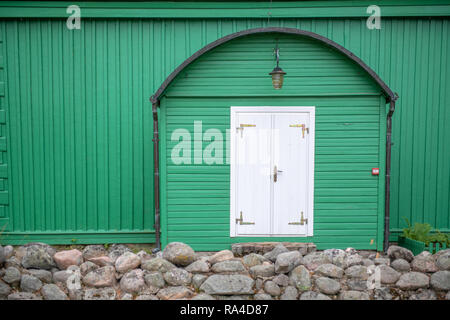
(386, 90)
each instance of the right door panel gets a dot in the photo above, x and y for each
(290, 190)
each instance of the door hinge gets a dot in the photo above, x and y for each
(245, 125)
(303, 126)
(241, 220)
(302, 222)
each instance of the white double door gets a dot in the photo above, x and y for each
(272, 168)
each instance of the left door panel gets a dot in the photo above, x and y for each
(253, 196)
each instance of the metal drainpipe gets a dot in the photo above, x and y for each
(155, 105)
(388, 173)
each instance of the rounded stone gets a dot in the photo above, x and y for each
(360, 272)
(228, 266)
(329, 270)
(5, 290)
(204, 296)
(388, 275)
(228, 284)
(327, 285)
(133, 281)
(197, 280)
(262, 296)
(263, 270)
(87, 267)
(174, 293)
(412, 281)
(100, 294)
(440, 280)
(8, 251)
(179, 253)
(443, 262)
(290, 293)
(101, 277)
(281, 280)
(220, 256)
(424, 262)
(199, 266)
(253, 259)
(23, 296)
(157, 264)
(67, 258)
(12, 276)
(53, 292)
(272, 288)
(397, 252)
(311, 295)
(287, 261)
(30, 283)
(300, 278)
(127, 261)
(43, 275)
(353, 295)
(272, 255)
(38, 256)
(154, 279)
(94, 251)
(178, 277)
(401, 265)
(315, 259)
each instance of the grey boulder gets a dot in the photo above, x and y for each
(311, 295)
(53, 292)
(287, 261)
(228, 285)
(401, 265)
(440, 280)
(179, 254)
(300, 278)
(178, 277)
(272, 255)
(396, 252)
(327, 285)
(30, 283)
(330, 270)
(133, 281)
(412, 281)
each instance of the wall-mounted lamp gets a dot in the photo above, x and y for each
(277, 73)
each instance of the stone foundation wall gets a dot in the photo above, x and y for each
(277, 271)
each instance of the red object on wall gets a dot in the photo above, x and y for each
(375, 171)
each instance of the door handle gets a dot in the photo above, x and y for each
(275, 173)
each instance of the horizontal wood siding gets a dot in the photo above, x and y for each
(346, 206)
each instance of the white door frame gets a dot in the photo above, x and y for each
(233, 188)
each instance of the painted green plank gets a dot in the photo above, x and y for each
(318, 9)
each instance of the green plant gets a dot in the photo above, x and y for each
(422, 232)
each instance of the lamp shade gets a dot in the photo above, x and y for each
(277, 77)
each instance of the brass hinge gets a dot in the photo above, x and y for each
(244, 125)
(241, 220)
(303, 126)
(302, 220)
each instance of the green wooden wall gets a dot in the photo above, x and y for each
(350, 121)
(59, 87)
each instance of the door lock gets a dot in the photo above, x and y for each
(241, 220)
